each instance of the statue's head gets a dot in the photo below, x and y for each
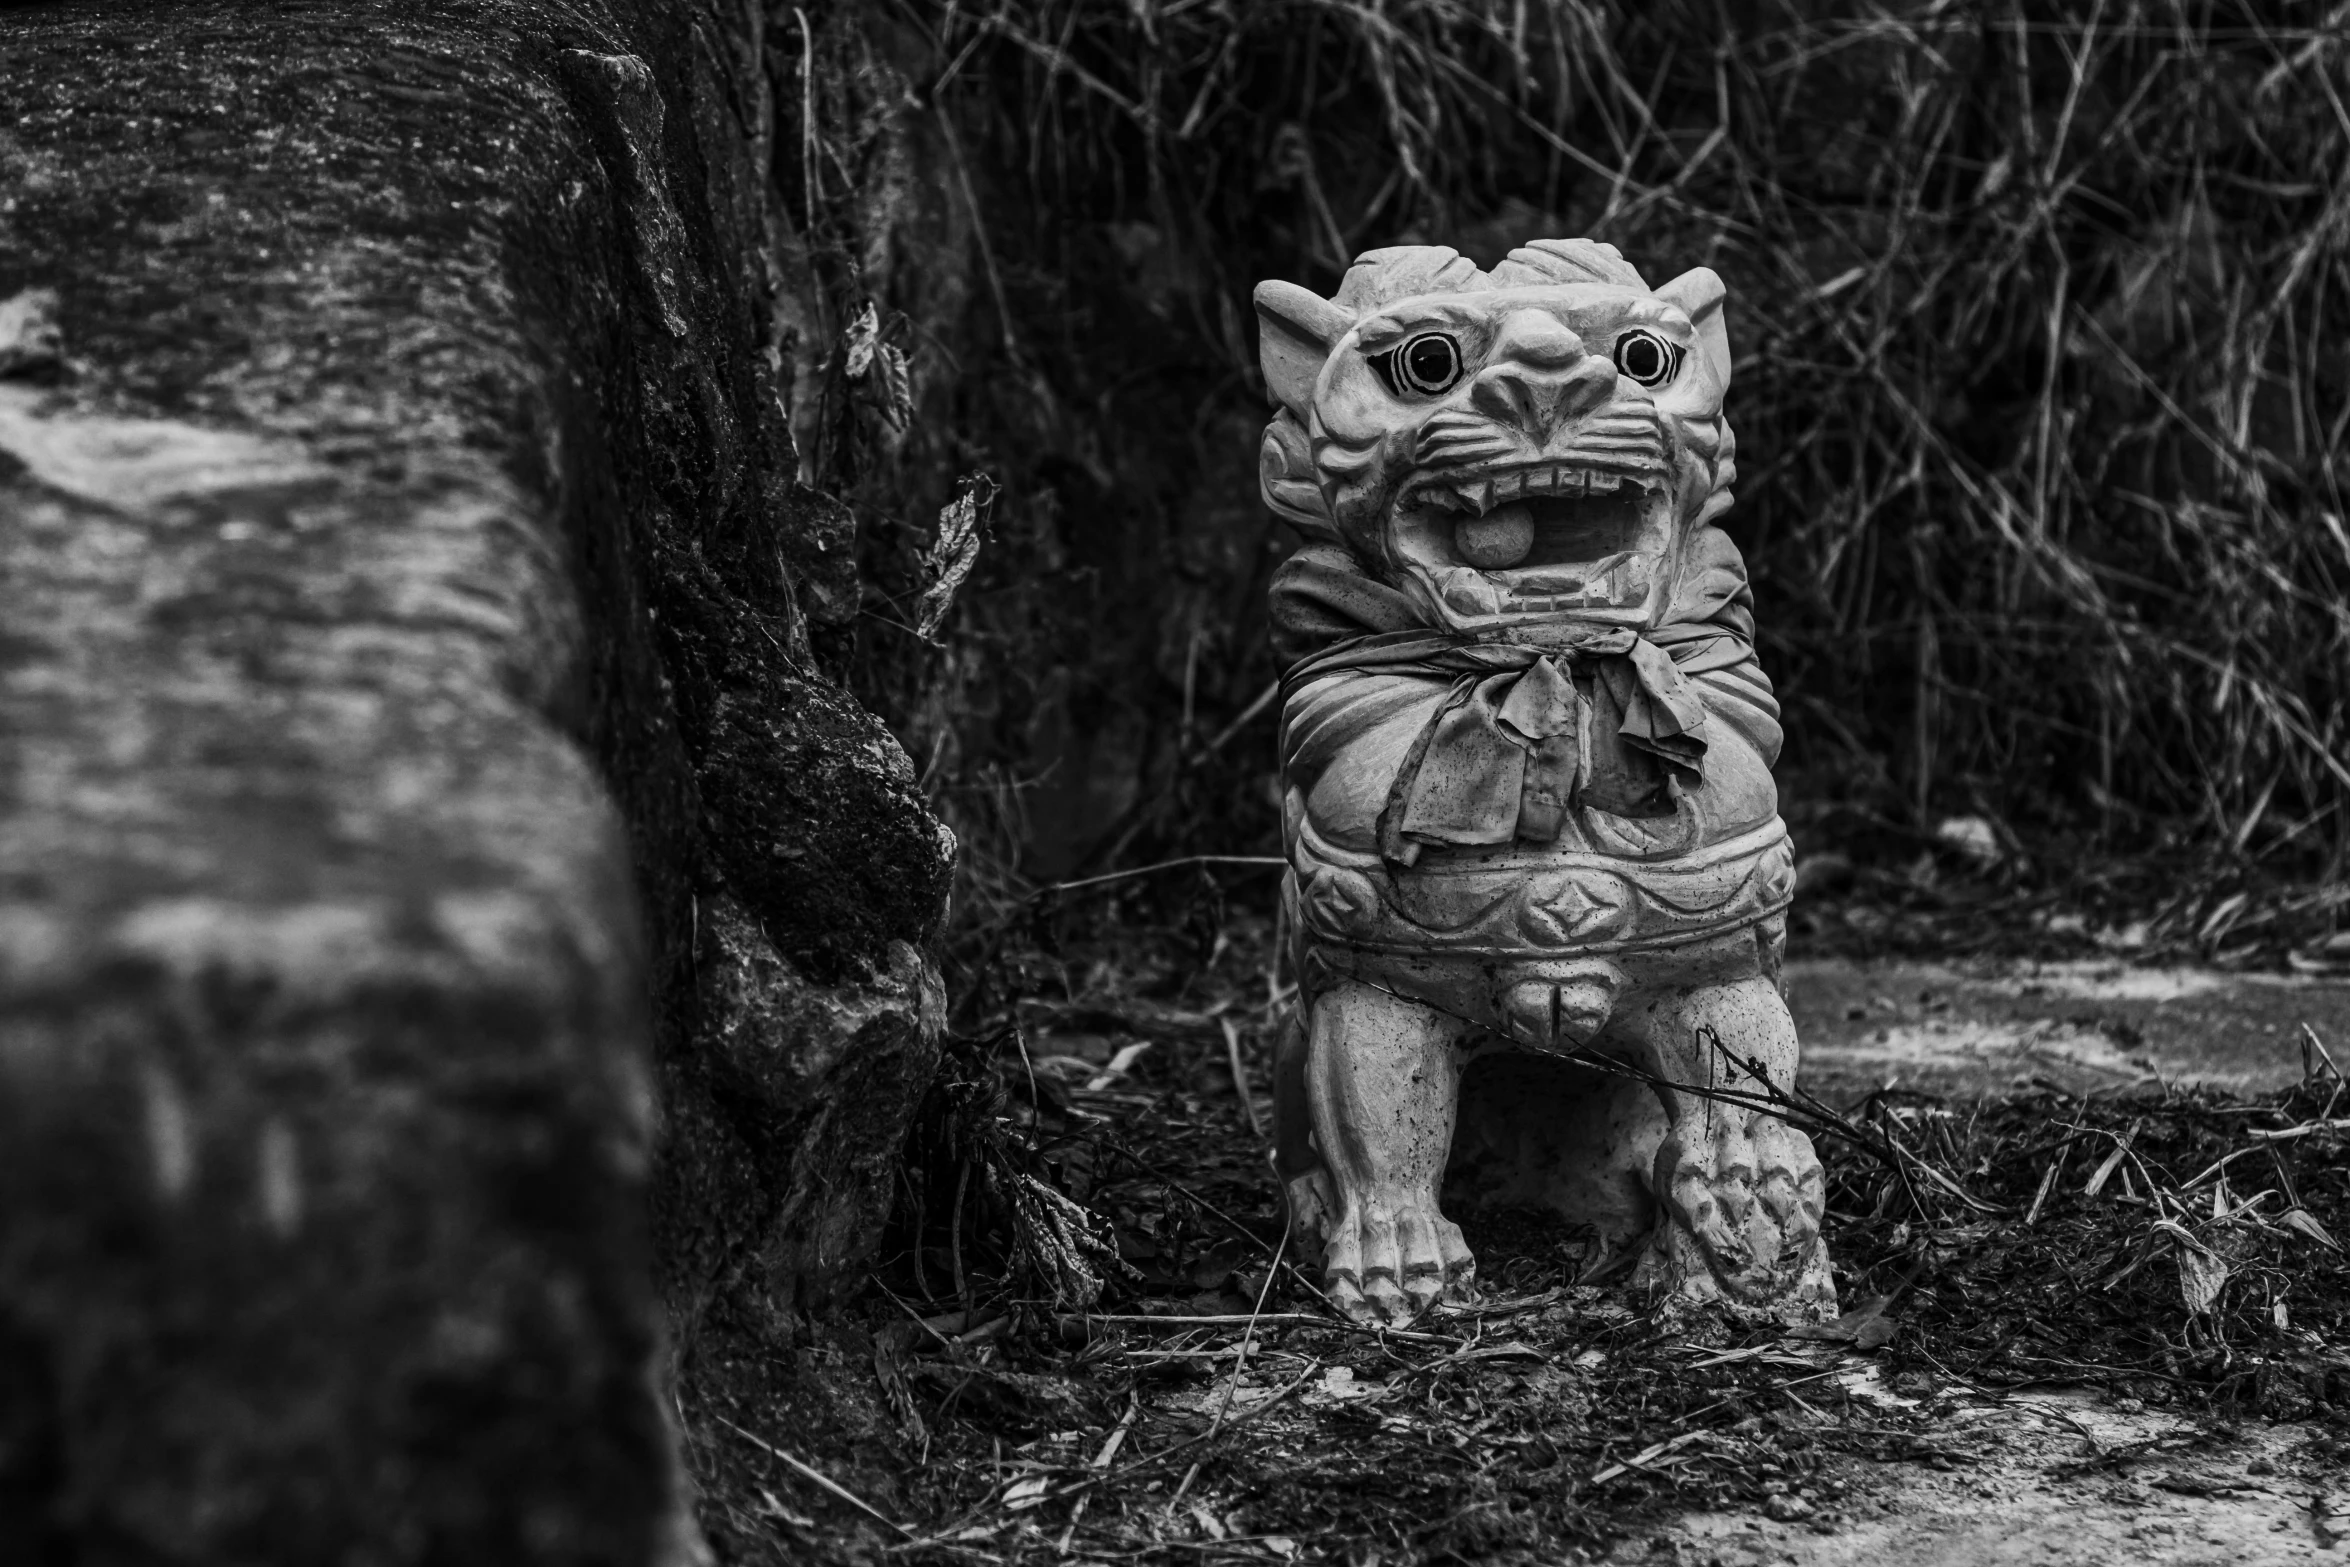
(1516, 449)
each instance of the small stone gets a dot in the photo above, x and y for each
(1787, 1509)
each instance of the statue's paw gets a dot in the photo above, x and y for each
(1743, 1198)
(1387, 1262)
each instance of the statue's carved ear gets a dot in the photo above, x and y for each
(1297, 329)
(1699, 293)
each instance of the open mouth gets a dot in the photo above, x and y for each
(1539, 539)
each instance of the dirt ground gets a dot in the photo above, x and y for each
(1856, 1472)
(2020, 1376)
(2057, 1477)
(1992, 1025)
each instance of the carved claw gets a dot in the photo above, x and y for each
(1382, 1267)
(1794, 1186)
(1744, 1202)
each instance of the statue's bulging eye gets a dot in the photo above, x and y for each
(1427, 365)
(1646, 357)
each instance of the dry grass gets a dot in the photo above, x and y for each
(2036, 311)
(1205, 1407)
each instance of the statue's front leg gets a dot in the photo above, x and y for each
(1381, 1082)
(1742, 1192)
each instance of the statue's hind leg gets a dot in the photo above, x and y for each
(1742, 1191)
(1377, 1079)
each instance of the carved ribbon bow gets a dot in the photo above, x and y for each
(1526, 732)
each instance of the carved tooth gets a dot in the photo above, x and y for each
(1570, 481)
(1538, 480)
(1470, 598)
(1479, 494)
(1627, 583)
(1505, 485)
(1602, 480)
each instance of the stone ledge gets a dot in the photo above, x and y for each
(390, 494)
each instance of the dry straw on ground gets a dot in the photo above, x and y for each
(2176, 1250)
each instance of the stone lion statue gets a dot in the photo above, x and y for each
(1526, 759)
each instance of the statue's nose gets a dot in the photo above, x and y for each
(1539, 376)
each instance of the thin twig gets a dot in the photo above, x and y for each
(1163, 865)
(1263, 700)
(1248, 1103)
(1271, 1319)
(1248, 1339)
(1253, 1412)
(829, 1484)
(955, 1242)
(1101, 1460)
(1243, 1231)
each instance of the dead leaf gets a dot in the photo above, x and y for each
(1027, 1493)
(1864, 1327)
(877, 369)
(1874, 1334)
(953, 551)
(2201, 1272)
(894, 386)
(2302, 1222)
(859, 341)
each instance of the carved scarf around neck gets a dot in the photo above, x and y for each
(1522, 732)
